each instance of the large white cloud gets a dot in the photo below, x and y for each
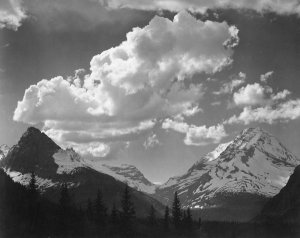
(278, 6)
(11, 14)
(132, 85)
(196, 135)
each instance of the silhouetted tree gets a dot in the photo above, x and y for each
(114, 215)
(89, 210)
(33, 204)
(151, 216)
(189, 220)
(65, 210)
(176, 211)
(199, 222)
(32, 188)
(100, 212)
(127, 214)
(166, 219)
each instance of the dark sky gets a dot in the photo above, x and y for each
(169, 112)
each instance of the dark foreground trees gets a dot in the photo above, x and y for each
(26, 213)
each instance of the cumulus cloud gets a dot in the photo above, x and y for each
(11, 14)
(196, 135)
(258, 94)
(132, 85)
(261, 104)
(278, 6)
(285, 111)
(229, 87)
(251, 94)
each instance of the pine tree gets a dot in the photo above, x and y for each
(65, 210)
(199, 223)
(189, 220)
(176, 211)
(114, 215)
(128, 211)
(166, 219)
(65, 199)
(33, 205)
(33, 186)
(89, 210)
(152, 217)
(114, 220)
(183, 220)
(127, 214)
(100, 211)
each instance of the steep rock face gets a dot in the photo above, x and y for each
(254, 166)
(32, 153)
(285, 206)
(54, 166)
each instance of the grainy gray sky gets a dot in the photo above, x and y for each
(146, 82)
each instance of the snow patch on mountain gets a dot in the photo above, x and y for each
(125, 173)
(24, 179)
(3, 151)
(216, 152)
(68, 160)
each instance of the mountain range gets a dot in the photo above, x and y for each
(233, 182)
(54, 166)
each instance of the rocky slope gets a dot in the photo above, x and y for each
(236, 176)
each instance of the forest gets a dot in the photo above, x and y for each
(24, 212)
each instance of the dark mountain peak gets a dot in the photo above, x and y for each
(32, 130)
(33, 152)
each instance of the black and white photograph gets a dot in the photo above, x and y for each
(149, 118)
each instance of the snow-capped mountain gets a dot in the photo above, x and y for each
(254, 163)
(53, 166)
(41, 149)
(3, 151)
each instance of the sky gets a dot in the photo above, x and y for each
(153, 83)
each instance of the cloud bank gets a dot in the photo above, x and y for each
(261, 104)
(278, 6)
(131, 86)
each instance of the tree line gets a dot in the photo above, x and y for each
(24, 212)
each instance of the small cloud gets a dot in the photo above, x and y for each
(229, 87)
(265, 77)
(151, 141)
